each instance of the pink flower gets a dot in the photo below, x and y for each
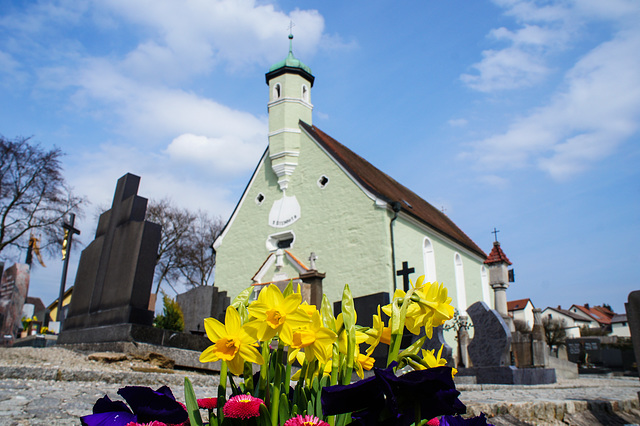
(433, 422)
(153, 423)
(208, 403)
(242, 407)
(305, 421)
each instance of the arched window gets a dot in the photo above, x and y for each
(429, 260)
(305, 93)
(276, 91)
(461, 295)
(484, 281)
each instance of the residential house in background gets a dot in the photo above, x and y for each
(573, 322)
(600, 316)
(620, 326)
(521, 310)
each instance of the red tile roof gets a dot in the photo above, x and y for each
(387, 189)
(516, 305)
(600, 317)
(497, 255)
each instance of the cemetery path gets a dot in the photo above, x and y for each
(56, 386)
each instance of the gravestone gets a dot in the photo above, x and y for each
(200, 303)
(489, 352)
(13, 294)
(115, 273)
(633, 318)
(366, 307)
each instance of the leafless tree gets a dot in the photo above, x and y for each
(34, 196)
(185, 253)
(176, 224)
(554, 331)
(197, 259)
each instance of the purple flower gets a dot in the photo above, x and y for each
(146, 405)
(481, 420)
(388, 399)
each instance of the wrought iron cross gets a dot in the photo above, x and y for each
(495, 234)
(404, 273)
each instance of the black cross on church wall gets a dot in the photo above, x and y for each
(404, 273)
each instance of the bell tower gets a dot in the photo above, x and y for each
(290, 82)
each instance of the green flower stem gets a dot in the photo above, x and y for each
(275, 397)
(287, 374)
(223, 376)
(394, 348)
(264, 371)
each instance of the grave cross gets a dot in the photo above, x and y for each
(312, 261)
(69, 231)
(404, 273)
(126, 206)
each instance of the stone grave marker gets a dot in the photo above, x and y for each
(13, 294)
(489, 352)
(115, 273)
(200, 303)
(633, 318)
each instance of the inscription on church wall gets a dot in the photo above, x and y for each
(284, 212)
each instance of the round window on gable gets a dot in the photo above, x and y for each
(260, 199)
(323, 181)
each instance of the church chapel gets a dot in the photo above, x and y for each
(313, 204)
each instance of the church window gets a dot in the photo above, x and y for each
(305, 93)
(429, 260)
(323, 181)
(460, 290)
(260, 199)
(277, 91)
(281, 240)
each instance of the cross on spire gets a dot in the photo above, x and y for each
(404, 273)
(495, 233)
(290, 27)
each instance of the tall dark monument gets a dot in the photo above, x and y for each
(115, 273)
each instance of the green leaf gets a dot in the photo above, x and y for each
(192, 403)
(243, 298)
(288, 289)
(326, 312)
(285, 413)
(415, 347)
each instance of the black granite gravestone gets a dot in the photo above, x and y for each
(489, 352)
(115, 273)
(633, 319)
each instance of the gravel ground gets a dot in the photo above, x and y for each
(56, 386)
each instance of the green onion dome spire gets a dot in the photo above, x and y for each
(290, 64)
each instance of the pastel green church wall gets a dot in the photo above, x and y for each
(338, 222)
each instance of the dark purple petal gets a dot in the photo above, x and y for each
(164, 390)
(480, 420)
(357, 396)
(116, 418)
(150, 405)
(105, 405)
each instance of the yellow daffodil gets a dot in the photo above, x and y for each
(275, 314)
(231, 343)
(362, 362)
(377, 334)
(316, 340)
(435, 361)
(309, 309)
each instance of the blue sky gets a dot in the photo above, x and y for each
(519, 115)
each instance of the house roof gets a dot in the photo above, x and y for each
(605, 311)
(386, 188)
(618, 318)
(36, 302)
(570, 314)
(497, 255)
(598, 316)
(516, 305)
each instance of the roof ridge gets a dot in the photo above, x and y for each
(390, 190)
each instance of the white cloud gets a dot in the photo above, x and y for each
(597, 110)
(215, 155)
(457, 122)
